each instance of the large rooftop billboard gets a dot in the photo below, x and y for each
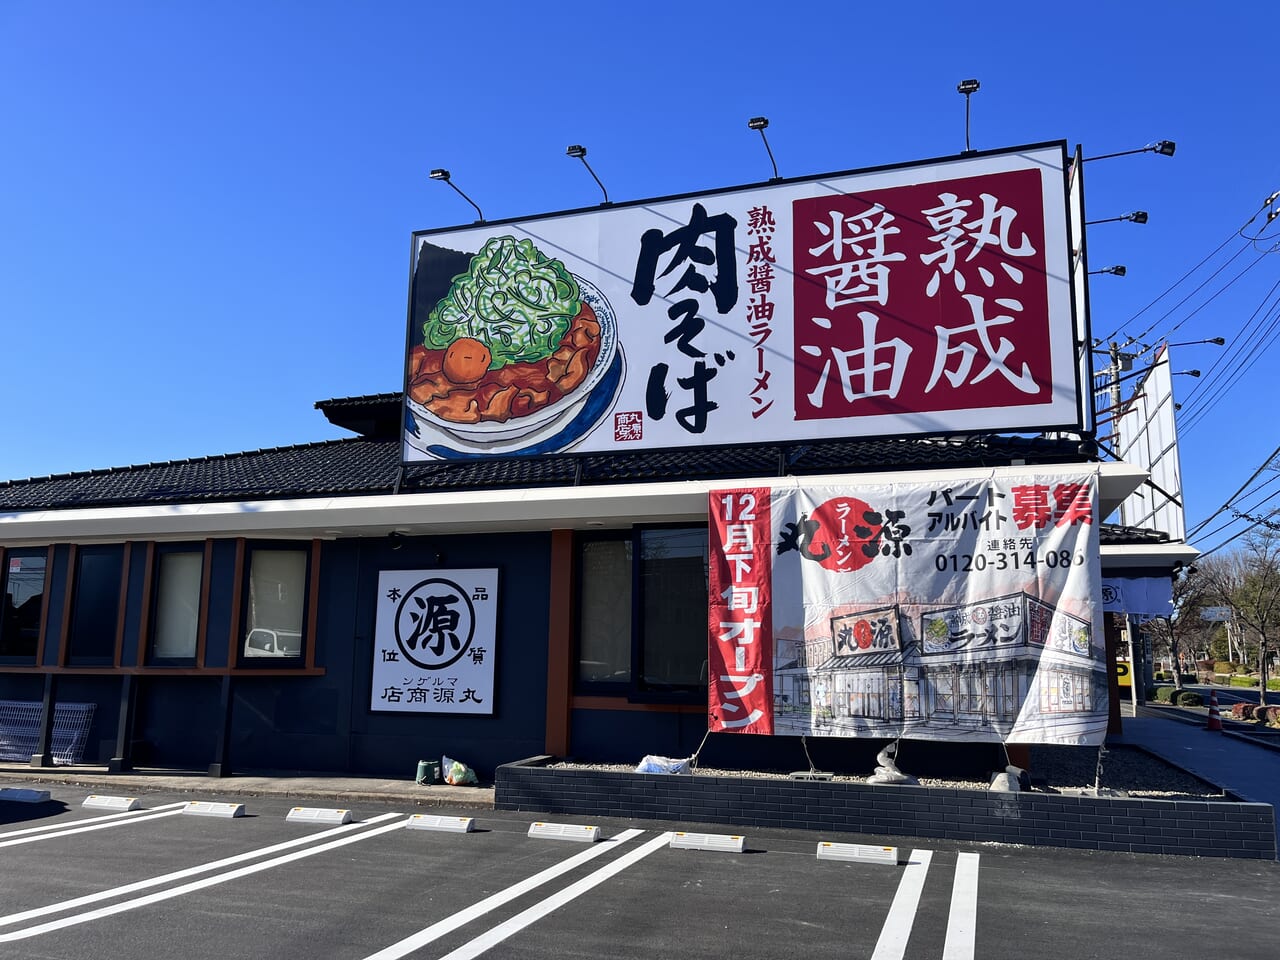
(921, 299)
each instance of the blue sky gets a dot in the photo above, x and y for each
(206, 209)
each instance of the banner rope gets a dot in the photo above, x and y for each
(693, 761)
(804, 742)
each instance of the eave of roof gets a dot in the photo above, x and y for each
(456, 511)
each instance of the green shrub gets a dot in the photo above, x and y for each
(1224, 666)
(1163, 694)
(1187, 698)
(1273, 683)
(1244, 681)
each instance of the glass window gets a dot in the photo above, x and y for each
(673, 615)
(177, 610)
(96, 611)
(604, 614)
(23, 579)
(644, 624)
(276, 604)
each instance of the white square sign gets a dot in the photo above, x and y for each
(434, 641)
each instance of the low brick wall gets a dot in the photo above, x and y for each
(1181, 827)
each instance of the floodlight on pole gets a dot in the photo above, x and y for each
(443, 175)
(1165, 148)
(1119, 270)
(968, 88)
(759, 123)
(579, 152)
(1136, 216)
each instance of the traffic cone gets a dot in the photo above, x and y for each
(1215, 718)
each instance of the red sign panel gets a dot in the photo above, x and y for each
(925, 297)
(740, 652)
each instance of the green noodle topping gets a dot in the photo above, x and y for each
(513, 298)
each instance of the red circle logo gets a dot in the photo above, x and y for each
(846, 540)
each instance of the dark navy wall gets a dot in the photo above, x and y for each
(176, 721)
(221, 613)
(325, 723)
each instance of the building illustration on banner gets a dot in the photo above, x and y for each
(959, 670)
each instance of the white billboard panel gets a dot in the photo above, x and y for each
(929, 298)
(1147, 436)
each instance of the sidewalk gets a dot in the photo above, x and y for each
(332, 790)
(1248, 770)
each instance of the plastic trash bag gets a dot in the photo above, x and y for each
(654, 764)
(457, 773)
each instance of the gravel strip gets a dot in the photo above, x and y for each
(1060, 769)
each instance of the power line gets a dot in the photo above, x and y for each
(1223, 357)
(1265, 463)
(1203, 284)
(1115, 333)
(1259, 347)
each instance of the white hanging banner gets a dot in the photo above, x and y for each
(961, 609)
(435, 640)
(1138, 596)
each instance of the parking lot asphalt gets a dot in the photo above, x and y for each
(159, 882)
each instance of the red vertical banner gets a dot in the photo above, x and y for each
(740, 620)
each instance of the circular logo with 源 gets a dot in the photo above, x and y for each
(435, 623)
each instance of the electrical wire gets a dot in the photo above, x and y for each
(1265, 463)
(1203, 284)
(1258, 349)
(1238, 233)
(1252, 508)
(1236, 536)
(1115, 333)
(1228, 355)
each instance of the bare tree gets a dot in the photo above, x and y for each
(1248, 581)
(1170, 632)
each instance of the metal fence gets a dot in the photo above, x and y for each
(20, 730)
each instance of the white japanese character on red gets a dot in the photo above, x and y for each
(863, 275)
(861, 372)
(996, 354)
(990, 228)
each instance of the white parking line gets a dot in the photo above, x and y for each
(93, 826)
(198, 884)
(85, 820)
(502, 931)
(183, 874)
(892, 944)
(449, 924)
(962, 921)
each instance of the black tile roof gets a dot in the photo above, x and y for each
(1114, 533)
(370, 464)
